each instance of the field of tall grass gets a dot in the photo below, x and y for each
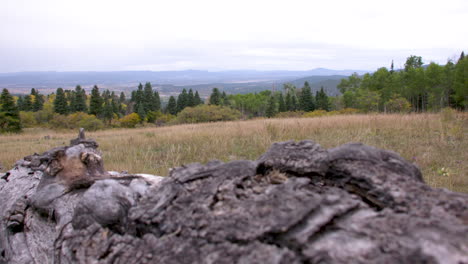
(437, 143)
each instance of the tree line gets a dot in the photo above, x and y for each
(270, 103)
(416, 88)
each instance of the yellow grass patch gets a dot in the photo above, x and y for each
(439, 146)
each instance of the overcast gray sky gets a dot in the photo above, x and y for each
(103, 35)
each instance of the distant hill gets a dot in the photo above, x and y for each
(241, 81)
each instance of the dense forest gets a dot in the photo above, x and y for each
(416, 88)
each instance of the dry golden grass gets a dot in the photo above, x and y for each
(437, 144)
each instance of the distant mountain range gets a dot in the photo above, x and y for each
(168, 82)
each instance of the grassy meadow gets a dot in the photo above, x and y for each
(437, 143)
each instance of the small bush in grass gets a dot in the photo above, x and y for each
(91, 123)
(130, 120)
(76, 120)
(165, 119)
(27, 119)
(448, 114)
(397, 104)
(207, 113)
(316, 113)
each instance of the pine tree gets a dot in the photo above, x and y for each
(182, 100)
(95, 103)
(122, 98)
(9, 113)
(115, 105)
(60, 102)
(79, 100)
(38, 103)
(306, 102)
(391, 68)
(171, 107)
(224, 99)
(157, 101)
(148, 101)
(20, 103)
(215, 97)
(281, 103)
(198, 100)
(190, 98)
(107, 112)
(138, 99)
(322, 101)
(27, 103)
(294, 106)
(271, 109)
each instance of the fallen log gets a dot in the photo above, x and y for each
(298, 203)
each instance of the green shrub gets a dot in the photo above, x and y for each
(45, 115)
(397, 104)
(165, 119)
(152, 116)
(130, 120)
(9, 123)
(76, 120)
(207, 113)
(91, 123)
(27, 119)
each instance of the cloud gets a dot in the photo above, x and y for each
(213, 35)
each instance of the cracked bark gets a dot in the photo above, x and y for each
(298, 203)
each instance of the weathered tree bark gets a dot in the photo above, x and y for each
(298, 203)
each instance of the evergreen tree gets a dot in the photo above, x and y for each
(306, 100)
(122, 98)
(198, 100)
(106, 95)
(271, 109)
(107, 111)
(191, 98)
(20, 103)
(9, 113)
(27, 103)
(157, 101)
(171, 107)
(148, 100)
(224, 99)
(215, 97)
(115, 105)
(281, 103)
(462, 56)
(391, 68)
(79, 100)
(460, 84)
(294, 106)
(60, 102)
(322, 101)
(182, 100)
(138, 100)
(38, 103)
(95, 103)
